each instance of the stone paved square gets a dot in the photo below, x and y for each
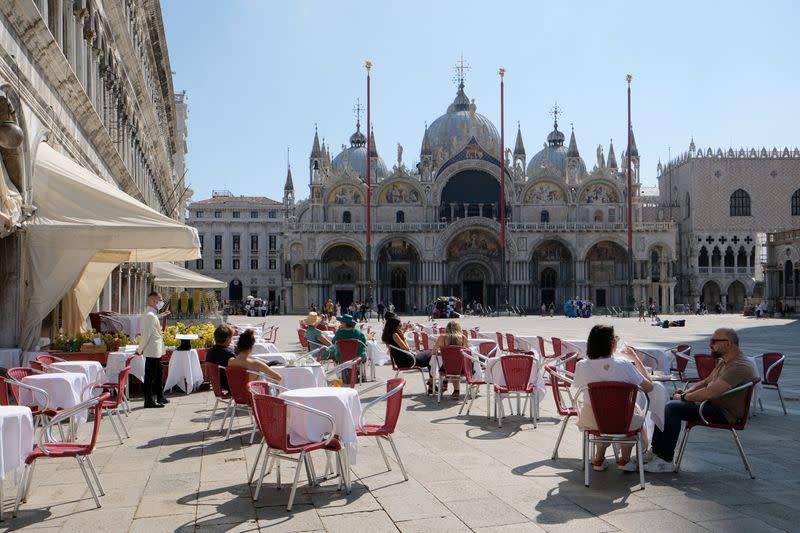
(465, 474)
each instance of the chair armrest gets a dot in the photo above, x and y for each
(372, 387)
(477, 357)
(648, 354)
(376, 401)
(343, 366)
(562, 362)
(14, 382)
(65, 414)
(773, 365)
(744, 386)
(413, 357)
(317, 412)
(565, 376)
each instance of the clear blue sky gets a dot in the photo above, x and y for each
(260, 74)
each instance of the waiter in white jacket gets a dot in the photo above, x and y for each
(151, 346)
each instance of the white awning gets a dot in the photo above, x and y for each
(85, 226)
(169, 275)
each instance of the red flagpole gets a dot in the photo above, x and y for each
(503, 276)
(631, 299)
(368, 66)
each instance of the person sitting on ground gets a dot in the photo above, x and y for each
(347, 330)
(312, 334)
(395, 340)
(601, 365)
(243, 360)
(221, 352)
(733, 369)
(453, 336)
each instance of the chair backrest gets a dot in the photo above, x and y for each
(270, 415)
(500, 344)
(122, 384)
(681, 362)
(213, 373)
(469, 369)
(393, 404)
(36, 365)
(473, 334)
(570, 361)
(348, 349)
(18, 373)
(541, 347)
(559, 386)
(556, 346)
(705, 364)
(748, 401)
(301, 335)
(302, 324)
(452, 360)
(426, 341)
(3, 391)
(510, 344)
(769, 359)
(416, 340)
(613, 403)
(46, 359)
(517, 371)
(237, 384)
(442, 331)
(487, 349)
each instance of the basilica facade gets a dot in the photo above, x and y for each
(436, 226)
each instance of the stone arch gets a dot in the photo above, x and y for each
(469, 165)
(583, 252)
(607, 273)
(551, 254)
(598, 189)
(395, 257)
(401, 191)
(444, 237)
(555, 238)
(736, 293)
(538, 192)
(710, 294)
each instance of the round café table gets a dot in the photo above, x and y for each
(16, 439)
(92, 369)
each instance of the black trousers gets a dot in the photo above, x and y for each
(153, 386)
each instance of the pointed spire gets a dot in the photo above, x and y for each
(289, 186)
(634, 150)
(373, 150)
(315, 149)
(612, 159)
(519, 148)
(692, 147)
(572, 151)
(426, 144)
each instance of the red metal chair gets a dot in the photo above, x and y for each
(452, 358)
(56, 450)
(772, 365)
(3, 391)
(500, 344)
(542, 350)
(416, 340)
(556, 346)
(473, 334)
(394, 399)
(271, 419)
(412, 368)
(348, 351)
(37, 366)
(114, 386)
(488, 349)
(733, 428)
(473, 383)
(48, 359)
(516, 372)
(301, 335)
(568, 362)
(111, 407)
(221, 393)
(511, 343)
(425, 340)
(705, 365)
(16, 374)
(560, 383)
(613, 404)
(682, 355)
(237, 385)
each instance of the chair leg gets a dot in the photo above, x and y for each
(560, 435)
(640, 455)
(397, 456)
(682, 448)
(94, 475)
(498, 408)
(488, 410)
(21, 488)
(253, 431)
(213, 412)
(261, 477)
(741, 452)
(777, 387)
(300, 462)
(255, 461)
(467, 396)
(114, 425)
(586, 459)
(86, 477)
(122, 423)
(225, 417)
(383, 454)
(230, 425)
(308, 470)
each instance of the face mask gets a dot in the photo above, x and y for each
(160, 305)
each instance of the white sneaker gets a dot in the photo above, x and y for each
(602, 466)
(659, 466)
(630, 466)
(648, 456)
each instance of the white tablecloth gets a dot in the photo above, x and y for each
(491, 335)
(130, 324)
(759, 389)
(301, 377)
(16, 435)
(527, 342)
(280, 357)
(376, 352)
(573, 345)
(92, 369)
(655, 357)
(340, 402)
(63, 388)
(10, 357)
(116, 362)
(494, 374)
(264, 347)
(184, 369)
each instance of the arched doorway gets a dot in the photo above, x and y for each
(711, 294)
(398, 275)
(473, 256)
(470, 193)
(235, 291)
(474, 281)
(607, 267)
(736, 295)
(342, 267)
(299, 288)
(551, 269)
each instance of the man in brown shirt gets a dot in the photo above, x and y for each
(733, 369)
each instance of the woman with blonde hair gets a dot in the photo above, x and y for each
(453, 336)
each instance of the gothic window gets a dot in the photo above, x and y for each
(346, 218)
(716, 257)
(741, 258)
(400, 217)
(740, 203)
(598, 216)
(688, 206)
(545, 216)
(702, 259)
(788, 270)
(729, 257)
(796, 203)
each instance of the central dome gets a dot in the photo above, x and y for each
(554, 155)
(355, 157)
(462, 122)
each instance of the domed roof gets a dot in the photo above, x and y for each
(554, 155)
(462, 122)
(355, 157)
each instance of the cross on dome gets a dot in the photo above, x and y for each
(555, 111)
(461, 68)
(357, 109)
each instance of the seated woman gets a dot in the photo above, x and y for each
(394, 338)
(601, 366)
(312, 334)
(243, 360)
(452, 336)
